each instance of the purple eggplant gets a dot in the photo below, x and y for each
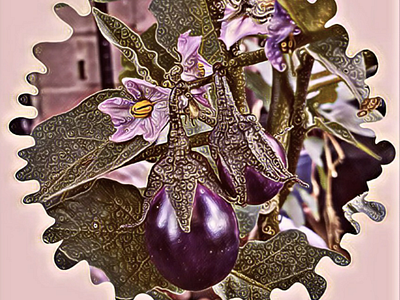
(204, 256)
(259, 188)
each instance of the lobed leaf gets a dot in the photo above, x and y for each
(90, 222)
(131, 46)
(331, 52)
(234, 287)
(74, 148)
(280, 262)
(343, 133)
(178, 16)
(310, 17)
(164, 59)
(374, 210)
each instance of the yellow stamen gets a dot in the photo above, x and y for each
(142, 109)
(202, 70)
(288, 45)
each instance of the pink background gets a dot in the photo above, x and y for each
(27, 270)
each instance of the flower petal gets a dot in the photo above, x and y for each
(232, 30)
(149, 127)
(188, 48)
(126, 125)
(346, 114)
(208, 69)
(156, 122)
(198, 94)
(141, 89)
(229, 12)
(127, 131)
(279, 28)
(118, 109)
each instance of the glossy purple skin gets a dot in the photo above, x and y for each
(199, 259)
(259, 188)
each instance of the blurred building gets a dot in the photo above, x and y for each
(86, 62)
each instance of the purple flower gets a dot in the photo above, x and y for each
(146, 115)
(236, 25)
(280, 27)
(194, 65)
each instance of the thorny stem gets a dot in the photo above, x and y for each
(288, 108)
(195, 84)
(248, 58)
(299, 121)
(282, 99)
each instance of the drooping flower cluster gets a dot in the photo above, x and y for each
(147, 114)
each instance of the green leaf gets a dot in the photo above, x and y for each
(234, 287)
(74, 147)
(331, 52)
(326, 94)
(131, 46)
(90, 219)
(310, 17)
(216, 9)
(163, 58)
(247, 218)
(129, 69)
(323, 177)
(343, 133)
(175, 17)
(374, 210)
(280, 262)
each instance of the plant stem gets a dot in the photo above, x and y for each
(298, 121)
(282, 99)
(236, 78)
(288, 108)
(248, 58)
(237, 84)
(195, 84)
